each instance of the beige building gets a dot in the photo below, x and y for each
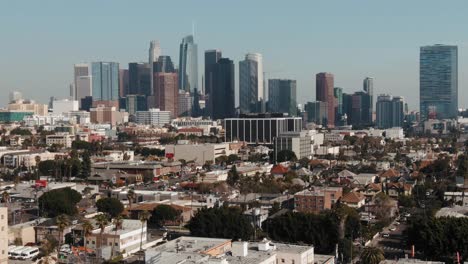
(63, 139)
(107, 115)
(199, 153)
(28, 106)
(23, 232)
(3, 235)
(317, 199)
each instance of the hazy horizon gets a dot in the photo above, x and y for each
(41, 40)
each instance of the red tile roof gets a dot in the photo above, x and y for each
(352, 197)
(279, 169)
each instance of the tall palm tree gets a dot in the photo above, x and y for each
(372, 255)
(5, 197)
(131, 196)
(38, 160)
(118, 225)
(87, 231)
(102, 221)
(62, 222)
(144, 216)
(46, 249)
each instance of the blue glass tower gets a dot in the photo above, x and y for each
(105, 81)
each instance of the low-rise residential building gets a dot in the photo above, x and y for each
(317, 199)
(198, 153)
(26, 158)
(124, 239)
(187, 131)
(222, 251)
(354, 199)
(62, 139)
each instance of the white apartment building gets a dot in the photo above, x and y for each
(153, 116)
(28, 158)
(3, 235)
(62, 106)
(125, 239)
(199, 153)
(64, 139)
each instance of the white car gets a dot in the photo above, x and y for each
(392, 228)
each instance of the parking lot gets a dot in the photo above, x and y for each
(394, 244)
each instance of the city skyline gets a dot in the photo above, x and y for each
(390, 54)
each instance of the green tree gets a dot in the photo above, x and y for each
(225, 222)
(163, 213)
(372, 255)
(20, 132)
(111, 206)
(118, 221)
(46, 167)
(59, 201)
(233, 176)
(285, 155)
(86, 165)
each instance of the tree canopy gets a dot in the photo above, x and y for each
(163, 213)
(223, 222)
(59, 201)
(285, 155)
(111, 206)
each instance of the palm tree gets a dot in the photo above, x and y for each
(118, 225)
(87, 231)
(372, 255)
(144, 216)
(102, 221)
(131, 196)
(46, 249)
(5, 197)
(62, 222)
(38, 160)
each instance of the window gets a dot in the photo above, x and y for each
(94, 242)
(116, 244)
(2, 217)
(282, 261)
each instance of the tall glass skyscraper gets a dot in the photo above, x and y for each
(390, 111)
(438, 81)
(164, 64)
(188, 65)
(338, 92)
(282, 96)
(251, 92)
(368, 87)
(105, 81)
(325, 93)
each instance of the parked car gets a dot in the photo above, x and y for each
(392, 228)
(385, 235)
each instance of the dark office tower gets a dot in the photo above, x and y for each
(325, 93)
(139, 81)
(317, 112)
(163, 64)
(251, 92)
(390, 111)
(123, 82)
(211, 58)
(438, 82)
(135, 103)
(338, 92)
(166, 92)
(105, 81)
(360, 105)
(368, 87)
(188, 65)
(282, 96)
(347, 109)
(223, 94)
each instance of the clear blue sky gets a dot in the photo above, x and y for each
(41, 40)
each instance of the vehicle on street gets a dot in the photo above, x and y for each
(392, 228)
(385, 235)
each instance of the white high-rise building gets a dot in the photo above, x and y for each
(60, 107)
(368, 87)
(251, 85)
(154, 116)
(82, 81)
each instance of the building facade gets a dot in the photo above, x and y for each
(317, 199)
(139, 78)
(282, 96)
(251, 90)
(211, 58)
(223, 95)
(438, 82)
(317, 112)
(105, 81)
(188, 65)
(297, 142)
(259, 129)
(324, 83)
(154, 117)
(164, 64)
(166, 92)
